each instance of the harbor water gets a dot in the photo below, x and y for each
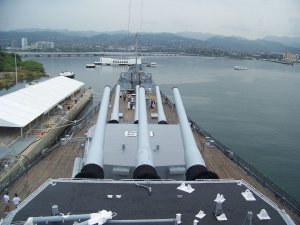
(254, 112)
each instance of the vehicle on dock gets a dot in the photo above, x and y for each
(141, 164)
(29, 84)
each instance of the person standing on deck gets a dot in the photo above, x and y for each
(6, 202)
(16, 201)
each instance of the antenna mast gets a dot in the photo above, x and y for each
(129, 16)
(136, 47)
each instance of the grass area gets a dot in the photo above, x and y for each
(27, 70)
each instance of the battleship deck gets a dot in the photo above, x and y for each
(136, 202)
(59, 163)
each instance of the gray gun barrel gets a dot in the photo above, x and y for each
(77, 166)
(136, 112)
(160, 109)
(93, 167)
(194, 163)
(144, 162)
(115, 112)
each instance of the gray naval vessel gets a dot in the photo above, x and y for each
(136, 171)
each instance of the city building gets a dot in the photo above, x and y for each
(290, 56)
(42, 45)
(24, 43)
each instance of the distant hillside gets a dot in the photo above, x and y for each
(67, 32)
(196, 35)
(235, 43)
(288, 41)
(251, 46)
(6, 38)
(187, 42)
(103, 41)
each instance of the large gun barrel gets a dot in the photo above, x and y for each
(194, 163)
(160, 109)
(136, 112)
(144, 163)
(115, 112)
(93, 167)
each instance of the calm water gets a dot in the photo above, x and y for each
(255, 112)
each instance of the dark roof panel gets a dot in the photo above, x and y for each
(81, 197)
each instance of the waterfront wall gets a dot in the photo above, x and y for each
(28, 157)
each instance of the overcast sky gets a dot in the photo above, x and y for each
(247, 18)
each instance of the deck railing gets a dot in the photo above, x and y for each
(280, 194)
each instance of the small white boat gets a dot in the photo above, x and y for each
(153, 64)
(240, 68)
(67, 74)
(91, 65)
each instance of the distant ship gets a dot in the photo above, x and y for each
(67, 74)
(240, 68)
(119, 62)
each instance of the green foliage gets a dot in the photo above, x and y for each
(33, 66)
(28, 70)
(7, 62)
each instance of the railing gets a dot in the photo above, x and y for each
(280, 194)
(85, 119)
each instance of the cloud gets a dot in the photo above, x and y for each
(247, 18)
(295, 26)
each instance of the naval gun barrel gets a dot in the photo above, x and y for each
(93, 167)
(144, 162)
(160, 109)
(194, 163)
(136, 112)
(115, 112)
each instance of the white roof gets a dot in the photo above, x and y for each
(21, 107)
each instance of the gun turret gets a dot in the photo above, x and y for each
(194, 163)
(160, 109)
(144, 163)
(115, 112)
(136, 112)
(93, 167)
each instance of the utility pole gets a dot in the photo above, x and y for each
(16, 69)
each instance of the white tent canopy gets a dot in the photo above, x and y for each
(21, 107)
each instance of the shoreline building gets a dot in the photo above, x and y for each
(290, 56)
